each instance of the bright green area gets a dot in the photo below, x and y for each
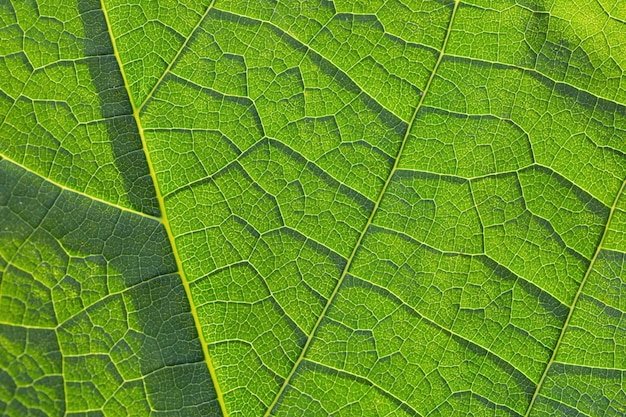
(348, 208)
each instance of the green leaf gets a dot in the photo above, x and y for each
(347, 208)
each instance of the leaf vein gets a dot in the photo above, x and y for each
(370, 219)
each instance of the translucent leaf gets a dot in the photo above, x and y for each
(348, 208)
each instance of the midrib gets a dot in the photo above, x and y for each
(166, 224)
(369, 220)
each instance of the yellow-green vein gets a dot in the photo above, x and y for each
(175, 59)
(82, 193)
(573, 306)
(369, 220)
(185, 282)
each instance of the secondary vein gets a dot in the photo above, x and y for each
(573, 306)
(76, 191)
(181, 272)
(369, 220)
(173, 61)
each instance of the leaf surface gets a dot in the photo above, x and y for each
(313, 208)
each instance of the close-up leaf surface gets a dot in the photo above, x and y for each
(312, 208)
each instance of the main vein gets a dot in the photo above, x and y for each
(185, 282)
(369, 220)
(573, 306)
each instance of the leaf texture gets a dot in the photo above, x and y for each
(348, 208)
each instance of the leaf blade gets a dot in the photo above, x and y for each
(478, 272)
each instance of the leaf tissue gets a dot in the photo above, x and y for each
(312, 208)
